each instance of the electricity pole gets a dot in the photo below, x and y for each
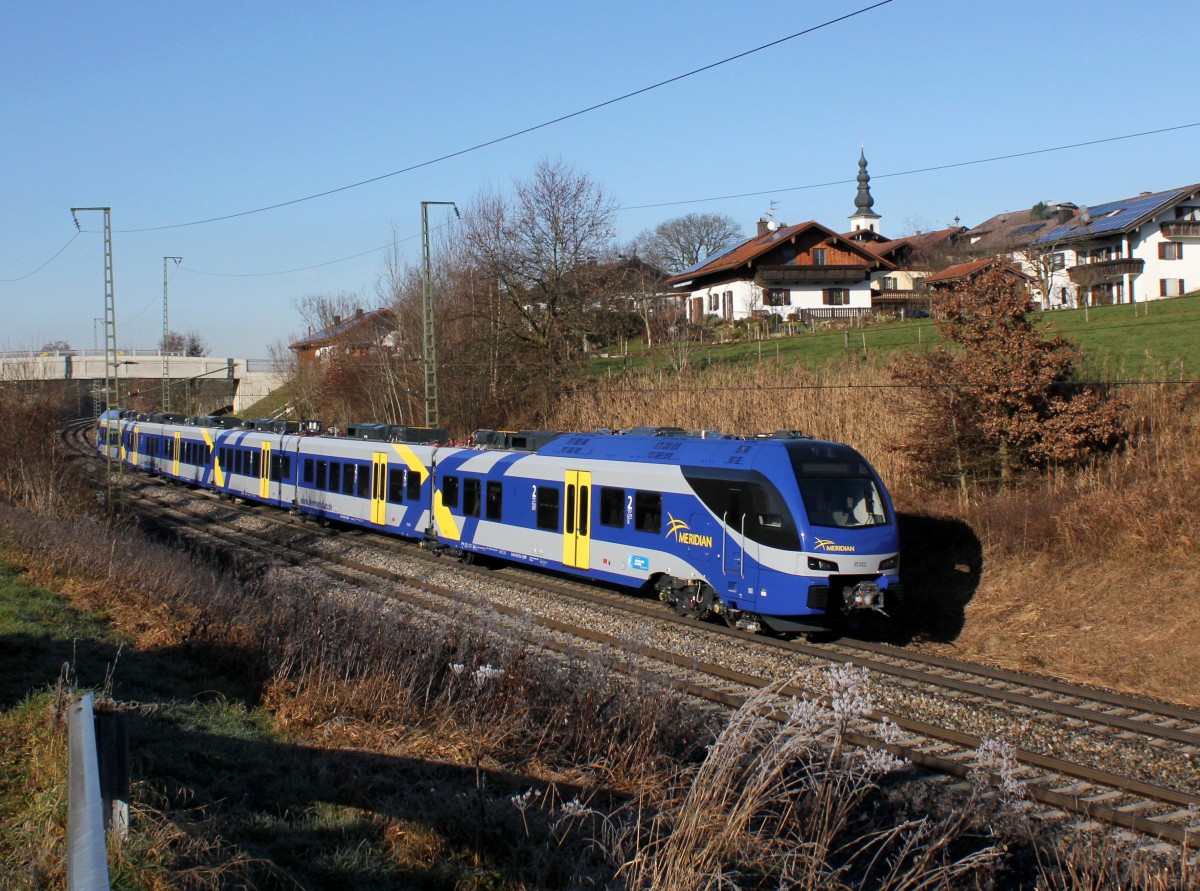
(166, 393)
(111, 386)
(112, 392)
(430, 352)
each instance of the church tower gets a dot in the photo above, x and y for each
(864, 216)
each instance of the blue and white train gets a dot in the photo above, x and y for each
(783, 532)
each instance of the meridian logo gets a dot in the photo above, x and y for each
(679, 529)
(826, 544)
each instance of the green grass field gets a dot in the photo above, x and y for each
(1149, 340)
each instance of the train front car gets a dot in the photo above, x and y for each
(807, 532)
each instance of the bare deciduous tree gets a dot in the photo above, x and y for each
(681, 242)
(190, 344)
(538, 248)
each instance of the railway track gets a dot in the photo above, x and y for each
(1080, 753)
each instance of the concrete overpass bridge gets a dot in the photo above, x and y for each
(249, 380)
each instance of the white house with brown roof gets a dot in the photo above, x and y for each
(800, 271)
(1127, 251)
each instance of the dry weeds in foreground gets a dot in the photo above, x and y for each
(468, 761)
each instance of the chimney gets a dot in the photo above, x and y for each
(764, 226)
(358, 313)
(337, 320)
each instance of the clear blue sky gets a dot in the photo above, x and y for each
(176, 112)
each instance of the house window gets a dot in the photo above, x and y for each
(1170, 250)
(779, 297)
(727, 300)
(888, 283)
(1054, 262)
(835, 296)
(1170, 287)
(1187, 213)
(714, 302)
(818, 256)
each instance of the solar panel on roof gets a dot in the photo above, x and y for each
(1025, 230)
(1112, 217)
(709, 259)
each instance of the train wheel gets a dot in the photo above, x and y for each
(695, 601)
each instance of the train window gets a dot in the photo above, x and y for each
(348, 479)
(569, 524)
(612, 507)
(647, 512)
(748, 503)
(286, 468)
(547, 508)
(842, 502)
(735, 516)
(413, 481)
(363, 483)
(395, 492)
(308, 470)
(322, 474)
(256, 464)
(495, 494)
(450, 491)
(470, 498)
(335, 476)
(583, 509)
(275, 461)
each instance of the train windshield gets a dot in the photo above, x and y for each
(839, 492)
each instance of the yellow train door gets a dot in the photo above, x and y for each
(175, 456)
(577, 526)
(264, 471)
(379, 481)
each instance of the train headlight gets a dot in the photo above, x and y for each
(890, 563)
(822, 565)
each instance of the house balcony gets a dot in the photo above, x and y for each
(770, 276)
(1090, 274)
(1181, 229)
(900, 301)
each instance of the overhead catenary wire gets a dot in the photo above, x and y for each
(522, 132)
(916, 170)
(44, 265)
(829, 183)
